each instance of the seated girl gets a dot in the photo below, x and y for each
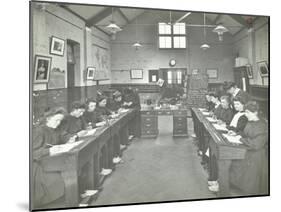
(74, 126)
(48, 186)
(250, 175)
(226, 113)
(209, 104)
(90, 115)
(217, 104)
(239, 119)
(116, 102)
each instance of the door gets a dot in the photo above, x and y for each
(241, 78)
(73, 63)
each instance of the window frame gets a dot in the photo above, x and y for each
(172, 35)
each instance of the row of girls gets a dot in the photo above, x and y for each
(241, 116)
(59, 127)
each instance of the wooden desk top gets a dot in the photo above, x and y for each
(215, 134)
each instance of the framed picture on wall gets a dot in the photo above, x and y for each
(90, 73)
(42, 68)
(195, 71)
(212, 73)
(57, 46)
(263, 68)
(249, 70)
(136, 74)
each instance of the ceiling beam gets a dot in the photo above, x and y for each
(217, 18)
(72, 12)
(98, 17)
(239, 19)
(123, 15)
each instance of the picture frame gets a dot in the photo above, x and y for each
(136, 74)
(90, 73)
(42, 66)
(263, 68)
(195, 71)
(249, 71)
(212, 73)
(57, 46)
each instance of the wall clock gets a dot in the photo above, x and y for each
(172, 62)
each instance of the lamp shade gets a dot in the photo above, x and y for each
(113, 28)
(137, 45)
(220, 29)
(204, 46)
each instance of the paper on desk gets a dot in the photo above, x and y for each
(91, 132)
(202, 109)
(210, 119)
(123, 110)
(233, 139)
(206, 113)
(220, 127)
(57, 149)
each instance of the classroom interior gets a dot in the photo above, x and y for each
(161, 55)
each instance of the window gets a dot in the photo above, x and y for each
(172, 36)
(179, 77)
(170, 77)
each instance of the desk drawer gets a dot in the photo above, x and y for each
(149, 119)
(180, 113)
(180, 132)
(180, 125)
(149, 125)
(148, 112)
(179, 119)
(164, 112)
(149, 132)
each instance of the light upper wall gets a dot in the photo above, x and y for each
(124, 57)
(254, 46)
(58, 22)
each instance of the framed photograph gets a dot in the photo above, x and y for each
(42, 66)
(57, 46)
(195, 71)
(212, 73)
(91, 73)
(136, 74)
(263, 68)
(249, 71)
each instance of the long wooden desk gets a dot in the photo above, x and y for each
(223, 150)
(95, 152)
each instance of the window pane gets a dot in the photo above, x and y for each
(169, 77)
(179, 77)
(180, 42)
(179, 28)
(164, 28)
(165, 42)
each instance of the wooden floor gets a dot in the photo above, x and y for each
(161, 169)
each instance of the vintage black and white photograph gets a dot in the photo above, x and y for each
(57, 46)
(263, 69)
(91, 73)
(42, 68)
(146, 106)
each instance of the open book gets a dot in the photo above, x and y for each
(58, 149)
(220, 127)
(233, 139)
(210, 119)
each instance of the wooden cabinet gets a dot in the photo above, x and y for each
(149, 122)
(180, 125)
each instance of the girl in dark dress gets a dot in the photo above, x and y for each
(239, 120)
(250, 175)
(226, 113)
(90, 115)
(47, 186)
(116, 102)
(74, 126)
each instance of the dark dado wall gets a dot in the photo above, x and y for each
(261, 95)
(41, 100)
